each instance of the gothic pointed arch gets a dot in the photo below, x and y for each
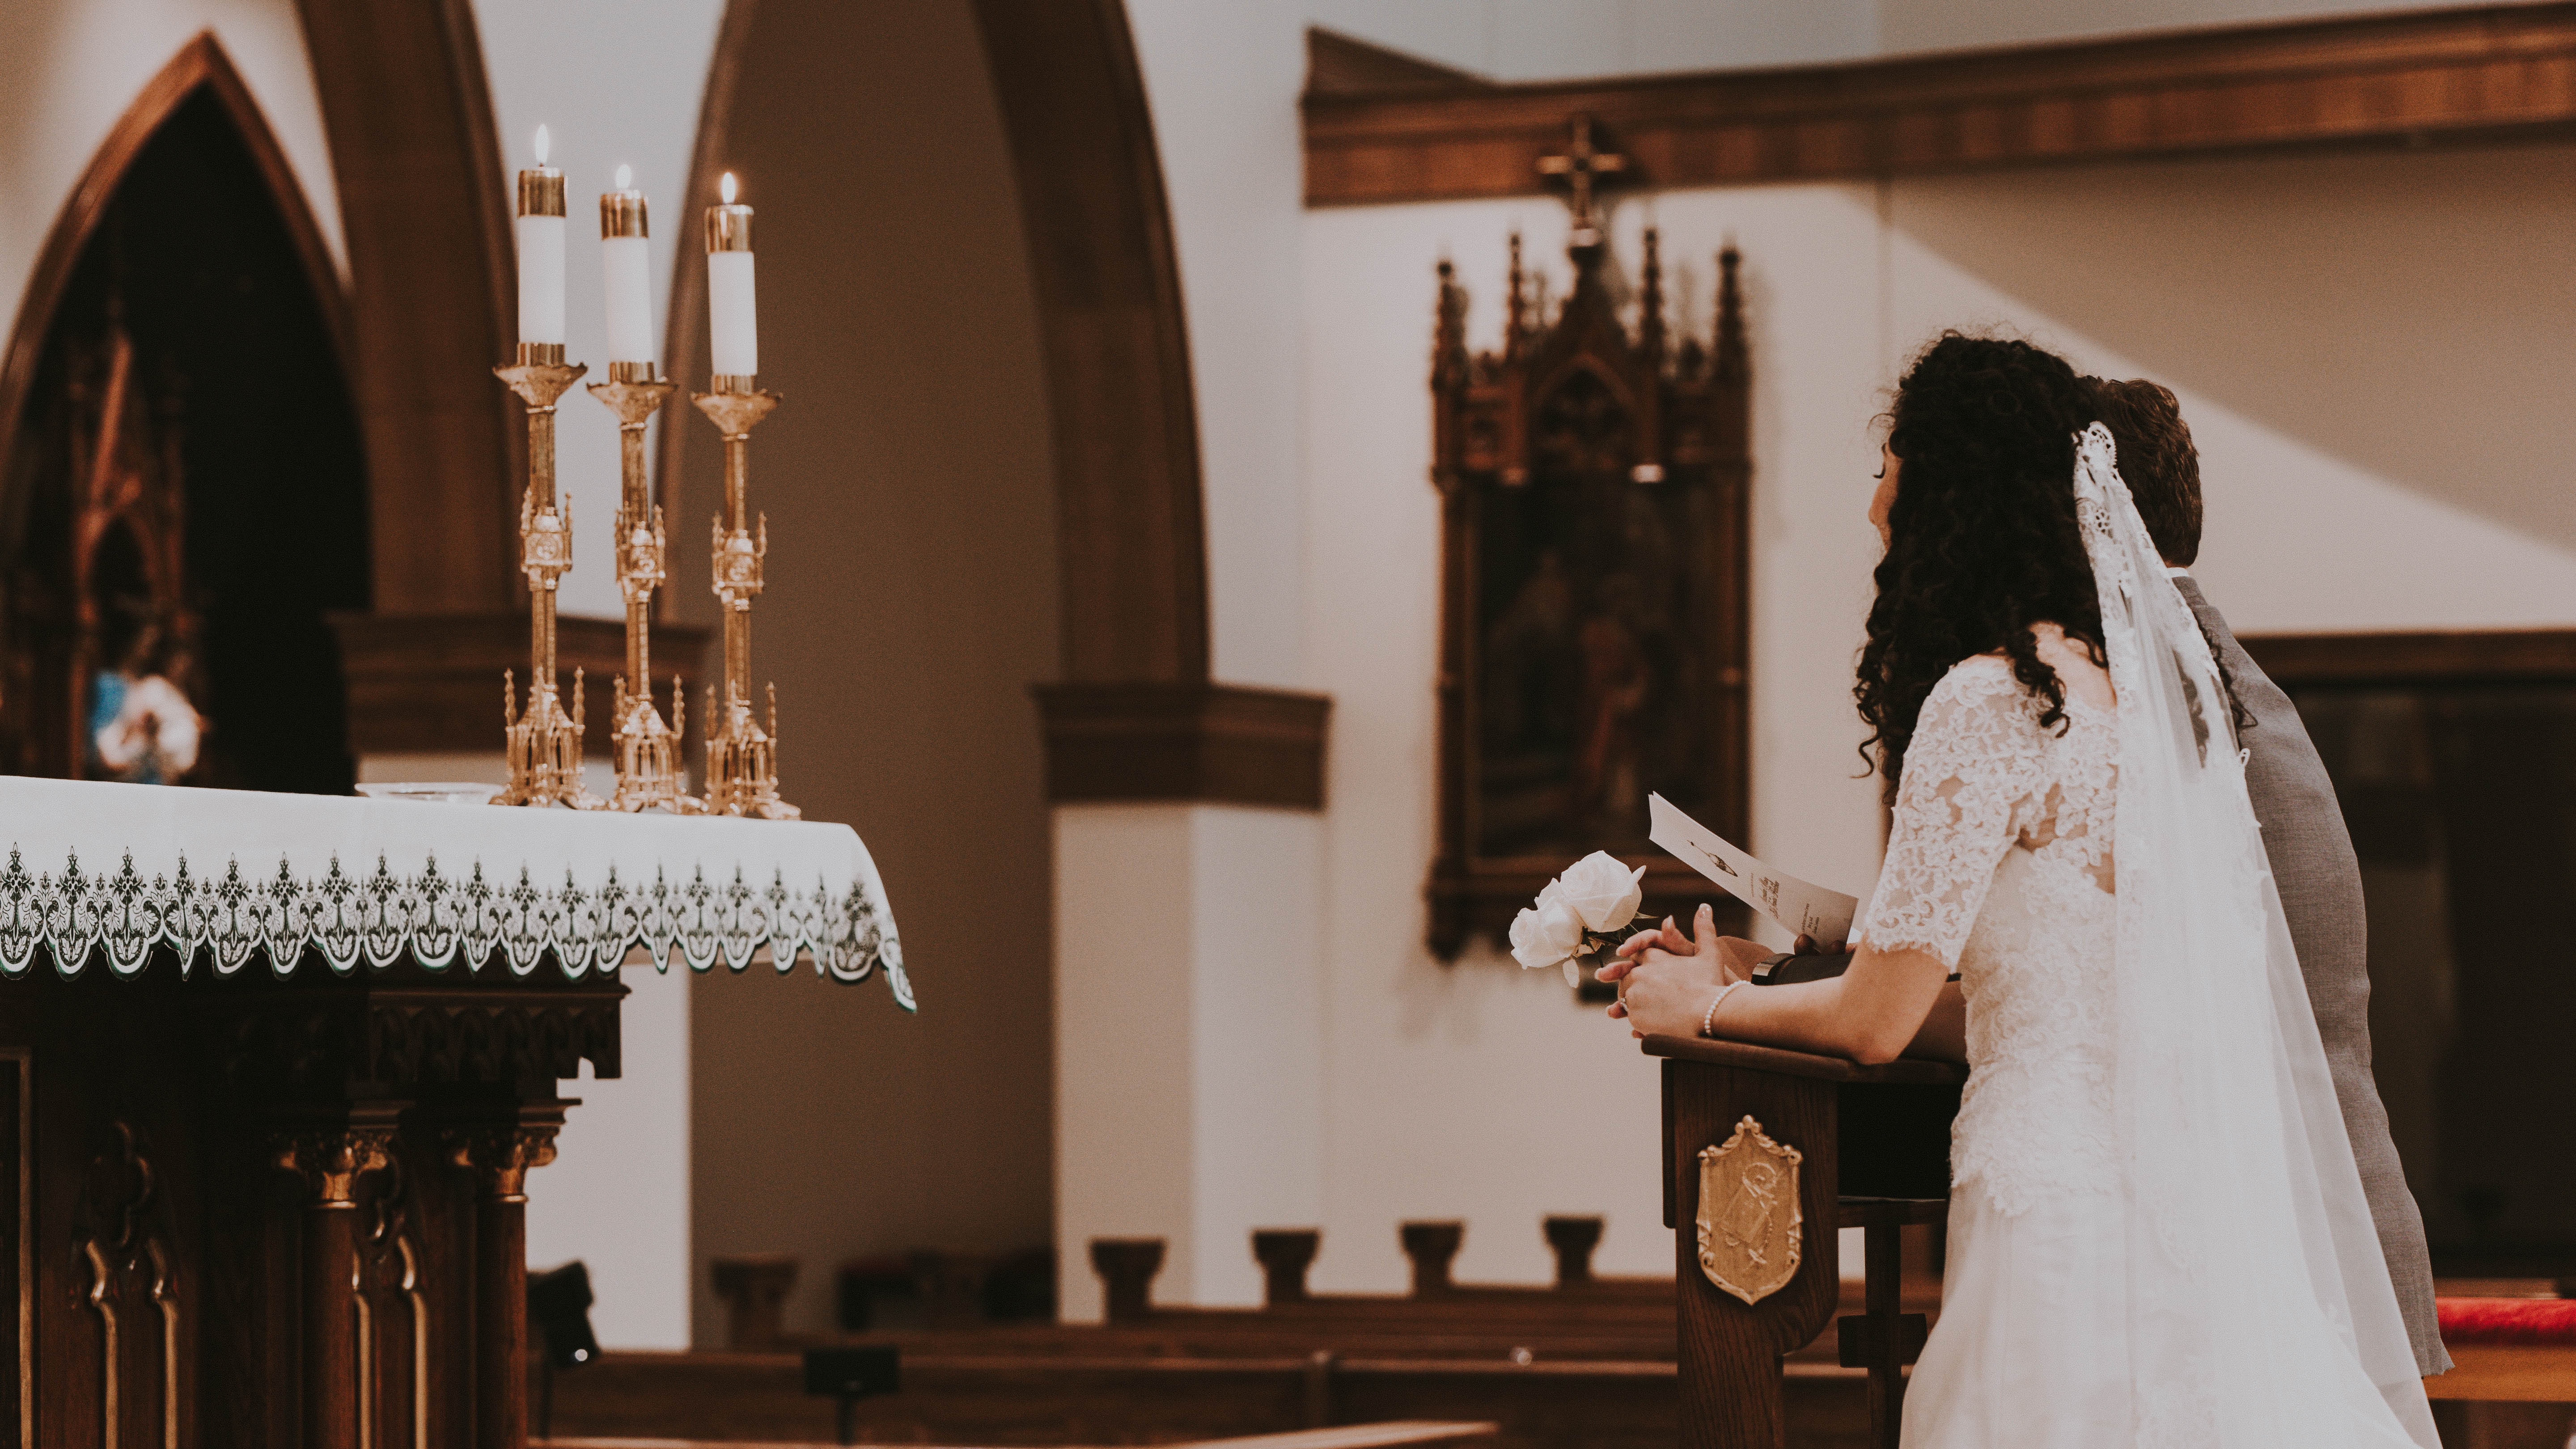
(199, 68)
(183, 486)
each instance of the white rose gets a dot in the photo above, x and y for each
(1546, 935)
(1601, 890)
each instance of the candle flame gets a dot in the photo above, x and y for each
(625, 178)
(543, 140)
(726, 188)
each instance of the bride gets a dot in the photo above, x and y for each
(2157, 1233)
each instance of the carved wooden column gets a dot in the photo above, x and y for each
(499, 1154)
(330, 1160)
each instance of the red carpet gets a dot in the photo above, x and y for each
(2548, 1321)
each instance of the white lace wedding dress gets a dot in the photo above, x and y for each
(2000, 863)
(2157, 1237)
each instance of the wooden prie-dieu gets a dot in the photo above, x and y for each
(1873, 1150)
(265, 1210)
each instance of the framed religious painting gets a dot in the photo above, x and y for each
(1593, 644)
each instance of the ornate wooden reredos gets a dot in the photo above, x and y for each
(1593, 645)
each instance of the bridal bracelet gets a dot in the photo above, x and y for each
(1708, 1018)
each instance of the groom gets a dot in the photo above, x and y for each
(2303, 832)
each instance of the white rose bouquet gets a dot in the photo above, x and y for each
(1577, 914)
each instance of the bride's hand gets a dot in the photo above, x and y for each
(1703, 955)
(1668, 939)
(1665, 994)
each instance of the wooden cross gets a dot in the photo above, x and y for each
(1583, 168)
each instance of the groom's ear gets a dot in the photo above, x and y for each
(2157, 461)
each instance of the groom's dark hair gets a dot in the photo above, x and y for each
(2157, 460)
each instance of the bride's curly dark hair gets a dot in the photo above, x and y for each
(1982, 536)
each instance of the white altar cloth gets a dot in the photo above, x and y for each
(227, 873)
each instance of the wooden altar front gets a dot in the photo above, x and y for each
(274, 1070)
(265, 1211)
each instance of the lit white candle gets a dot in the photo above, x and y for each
(539, 231)
(733, 327)
(628, 270)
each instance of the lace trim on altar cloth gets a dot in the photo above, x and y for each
(437, 918)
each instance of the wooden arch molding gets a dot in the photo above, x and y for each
(1136, 715)
(417, 162)
(200, 65)
(416, 156)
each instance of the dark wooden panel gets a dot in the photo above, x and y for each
(1781, 1060)
(1058, 1401)
(2482, 73)
(422, 206)
(1184, 741)
(432, 685)
(1133, 539)
(2529, 656)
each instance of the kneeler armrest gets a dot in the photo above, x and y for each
(1767, 1154)
(1921, 1071)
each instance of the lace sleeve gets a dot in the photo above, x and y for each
(1974, 768)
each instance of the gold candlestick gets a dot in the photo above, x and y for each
(648, 751)
(742, 758)
(544, 741)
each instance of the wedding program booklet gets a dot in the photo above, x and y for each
(1806, 909)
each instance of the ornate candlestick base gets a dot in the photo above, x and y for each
(742, 758)
(742, 762)
(543, 746)
(648, 753)
(544, 743)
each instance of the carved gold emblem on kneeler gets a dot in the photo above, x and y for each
(1749, 1220)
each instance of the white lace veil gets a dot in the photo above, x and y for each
(2260, 1311)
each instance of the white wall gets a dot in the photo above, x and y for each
(1913, 25)
(2365, 348)
(615, 82)
(616, 1195)
(69, 69)
(1190, 1041)
(2361, 344)
(1531, 40)
(1477, 1090)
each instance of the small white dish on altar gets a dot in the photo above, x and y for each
(431, 792)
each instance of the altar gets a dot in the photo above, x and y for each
(274, 1070)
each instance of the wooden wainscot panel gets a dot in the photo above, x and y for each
(433, 685)
(1214, 743)
(1377, 133)
(2519, 656)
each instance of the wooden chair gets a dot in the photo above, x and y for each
(1803, 1146)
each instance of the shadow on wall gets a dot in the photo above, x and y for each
(911, 602)
(2384, 310)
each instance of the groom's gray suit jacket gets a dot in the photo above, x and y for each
(2320, 884)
